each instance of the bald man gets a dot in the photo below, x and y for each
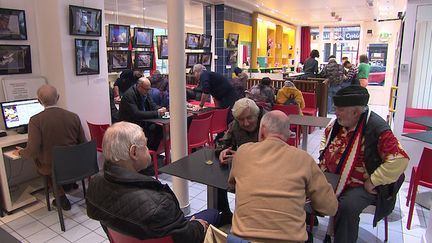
(52, 127)
(272, 181)
(137, 105)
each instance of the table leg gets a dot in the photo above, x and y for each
(166, 143)
(304, 140)
(212, 197)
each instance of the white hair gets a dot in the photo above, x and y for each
(276, 125)
(198, 68)
(119, 138)
(242, 104)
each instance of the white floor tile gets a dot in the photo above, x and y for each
(30, 229)
(91, 238)
(14, 216)
(75, 233)
(101, 232)
(49, 220)
(21, 222)
(91, 224)
(42, 213)
(197, 204)
(42, 236)
(69, 223)
(58, 239)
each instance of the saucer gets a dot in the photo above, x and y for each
(165, 117)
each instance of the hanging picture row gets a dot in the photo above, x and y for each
(198, 58)
(119, 60)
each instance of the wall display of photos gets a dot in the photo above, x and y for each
(205, 41)
(232, 56)
(119, 60)
(85, 21)
(143, 60)
(206, 58)
(192, 59)
(232, 41)
(118, 35)
(12, 24)
(15, 59)
(143, 37)
(86, 56)
(192, 41)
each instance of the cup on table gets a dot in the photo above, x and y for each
(166, 114)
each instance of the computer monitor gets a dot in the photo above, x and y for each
(16, 114)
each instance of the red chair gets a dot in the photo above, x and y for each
(310, 106)
(198, 133)
(289, 110)
(154, 156)
(97, 132)
(410, 127)
(218, 123)
(116, 237)
(420, 176)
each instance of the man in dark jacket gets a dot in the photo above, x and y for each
(137, 105)
(134, 204)
(361, 148)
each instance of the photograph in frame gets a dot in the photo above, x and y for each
(192, 59)
(118, 35)
(232, 56)
(232, 41)
(206, 59)
(143, 37)
(205, 41)
(143, 60)
(85, 21)
(119, 60)
(192, 41)
(12, 24)
(162, 46)
(15, 59)
(86, 56)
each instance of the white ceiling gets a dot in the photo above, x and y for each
(298, 12)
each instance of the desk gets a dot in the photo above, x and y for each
(194, 168)
(21, 196)
(421, 120)
(308, 121)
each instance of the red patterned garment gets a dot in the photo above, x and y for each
(388, 149)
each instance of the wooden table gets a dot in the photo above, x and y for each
(308, 121)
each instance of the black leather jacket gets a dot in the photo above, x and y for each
(139, 206)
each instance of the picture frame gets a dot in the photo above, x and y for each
(118, 35)
(205, 41)
(143, 60)
(143, 37)
(119, 60)
(15, 59)
(232, 56)
(85, 21)
(192, 59)
(232, 41)
(192, 41)
(86, 57)
(162, 46)
(206, 58)
(12, 24)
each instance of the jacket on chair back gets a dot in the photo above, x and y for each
(139, 206)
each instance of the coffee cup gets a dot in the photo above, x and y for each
(167, 114)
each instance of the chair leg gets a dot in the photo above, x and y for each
(411, 208)
(84, 189)
(59, 208)
(47, 197)
(413, 174)
(386, 229)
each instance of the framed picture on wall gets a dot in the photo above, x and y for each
(15, 59)
(232, 41)
(192, 41)
(143, 37)
(12, 24)
(119, 60)
(206, 58)
(192, 59)
(86, 56)
(118, 35)
(143, 60)
(205, 41)
(85, 21)
(162, 46)
(232, 57)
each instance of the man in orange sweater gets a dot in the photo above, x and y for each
(272, 181)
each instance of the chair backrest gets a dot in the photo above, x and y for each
(202, 115)
(219, 121)
(413, 112)
(116, 237)
(309, 99)
(198, 133)
(97, 132)
(287, 109)
(425, 167)
(74, 162)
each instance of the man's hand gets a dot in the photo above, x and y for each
(162, 111)
(204, 223)
(17, 151)
(226, 155)
(369, 186)
(117, 99)
(196, 108)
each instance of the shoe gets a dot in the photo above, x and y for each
(64, 202)
(69, 187)
(225, 218)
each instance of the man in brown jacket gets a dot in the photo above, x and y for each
(52, 127)
(272, 181)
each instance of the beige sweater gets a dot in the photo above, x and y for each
(272, 181)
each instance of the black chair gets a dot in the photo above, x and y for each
(70, 164)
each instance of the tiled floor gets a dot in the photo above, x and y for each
(35, 224)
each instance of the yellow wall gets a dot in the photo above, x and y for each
(244, 31)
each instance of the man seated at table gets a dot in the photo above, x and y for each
(272, 181)
(360, 146)
(136, 106)
(243, 129)
(135, 204)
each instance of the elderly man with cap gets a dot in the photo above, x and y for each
(360, 146)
